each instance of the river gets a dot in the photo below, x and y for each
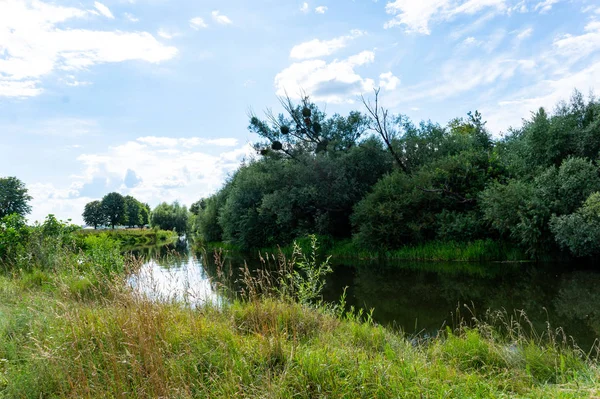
(417, 297)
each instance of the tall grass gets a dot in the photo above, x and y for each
(479, 250)
(108, 340)
(476, 251)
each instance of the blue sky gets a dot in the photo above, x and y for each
(151, 97)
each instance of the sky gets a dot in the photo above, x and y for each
(151, 97)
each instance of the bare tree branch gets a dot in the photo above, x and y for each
(380, 124)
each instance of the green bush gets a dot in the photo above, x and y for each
(104, 254)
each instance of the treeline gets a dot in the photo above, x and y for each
(115, 209)
(387, 182)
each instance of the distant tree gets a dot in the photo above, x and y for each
(13, 197)
(133, 209)
(170, 217)
(144, 215)
(114, 208)
(94, 215)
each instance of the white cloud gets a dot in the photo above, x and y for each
(524, 34)
(165, 34)
(575, 47)
(321, 9)
(131, 17)
(198, 23)
(335, 82)
(318, 48)
(102, 9)
(164, 169)
(220, 18)
(471, 42)
(543, 93)
(387, 81)
(33, 46)
(415, 16)
(305, 8)
(190, 142)
(545, 6)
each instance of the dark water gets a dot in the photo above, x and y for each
(417, 297)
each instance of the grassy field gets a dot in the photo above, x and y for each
(79, 331)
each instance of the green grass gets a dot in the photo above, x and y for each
(479, 250)
(134, 237)
(476, 251)
(73, 335)
(79, 331)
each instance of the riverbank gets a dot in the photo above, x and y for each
(434, 251)
(130, 238)
(55, 342)
(75, 327)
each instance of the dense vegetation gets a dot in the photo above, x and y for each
(174, 217)
(115, 209)
(387, 183)
(132, 238)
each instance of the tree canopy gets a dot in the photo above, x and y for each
(386, 182)
(113, 205)
(14, 197)
(173, 217)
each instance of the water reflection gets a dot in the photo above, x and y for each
(415, 297)
(172, 273)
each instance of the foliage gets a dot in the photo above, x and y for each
(522, 209)
(94, 215)
(306, 129)
(13, 238)
(307, 279)
(134, 237)
(170, 217)
(453, 183)
(580, 231)
(114, 208)
(104, 253)
(13, 197)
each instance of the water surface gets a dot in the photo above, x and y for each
(417, 297)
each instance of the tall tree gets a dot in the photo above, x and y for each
(114, 208)
(132, 211)
(13, 197)
(171, 217)
(144, 215)
(94, 215)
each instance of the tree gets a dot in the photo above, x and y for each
(304, 129)
(133, 209)
(144, 215)
(114, 208)
(580, 231)
(13, 197)
(170, 217)
(94, 215)
(384, 125)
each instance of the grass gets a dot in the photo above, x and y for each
(80, 332)
(134, 237)
(446, 251)
(54, 344)
(478, 251)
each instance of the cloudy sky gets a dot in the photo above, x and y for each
(150, 97)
